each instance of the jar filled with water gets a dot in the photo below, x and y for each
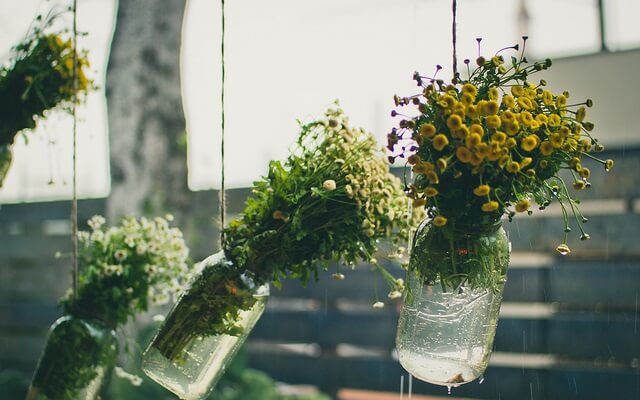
(452, 300)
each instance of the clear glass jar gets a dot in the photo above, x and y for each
(205, 329)
(76, 362)
(452, 300)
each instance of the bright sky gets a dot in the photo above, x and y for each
(287, 60)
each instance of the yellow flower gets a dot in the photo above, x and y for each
(499, 137)
(430, 191)
(427, 130)
(608, 165)
(490, 206)
(578, 185)
(511, 143)
(467, 99)
(432, 177)
(470, 89)
(493, 93)
(526, 161)
(442, 164)
(482, 149)
(556, 140)
(440, 141)
(526, 118)
(463, 154)
(546, 148)
(543, 164)
(517, 91)
(490, 107)
(502, 69)
(472, 112)
(445, 101)
(508, 101)
(413, 159)
(482, 190)
(461, 133)
(585, 172)
(554, 120)
(547, 98)
(542, 119)
(476, 129)
(513, 167)
(526, 103)
(529, 143)
(580, 114)
(507, 116)
(454, 121)
(523, 205)
(439, 221)
(473, 139)
(497, 61)
(422, 167)
(563, 249)
(561, 101)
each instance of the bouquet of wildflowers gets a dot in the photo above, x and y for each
(332, 200)
(492, 143)
(124, 270)
(39, 77)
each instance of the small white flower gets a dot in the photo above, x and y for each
(97, 236)
(169, 217)
(378, 305)
(395, 294)
(329, 185)
(120, 255)
(96, 222)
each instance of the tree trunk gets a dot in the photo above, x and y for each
(145, 113)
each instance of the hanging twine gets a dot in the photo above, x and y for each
(74, 199)
(454, 38)
(222, 185)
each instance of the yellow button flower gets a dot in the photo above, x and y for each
(511, 143)
(493, 93)
(427, 130)
(523, 205)
(476, 129)
(529, 143)
(439, 221)
(463, 154)
(482, 190)
(546, 148)
(454, 121)
(508, 101)
(490, 206)
(490, 107)
(580, 114)
(470, 89)
(499, 137)
(513, 167)
(440, 141)
(473, 140)
(517, 91)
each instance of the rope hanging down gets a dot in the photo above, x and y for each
(222, 186)
(74, 199)
(454, 39)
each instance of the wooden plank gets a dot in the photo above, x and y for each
(41, 211)
(555, 383)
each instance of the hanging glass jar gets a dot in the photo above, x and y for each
(452, 299)
(77, 360)
(205, 329)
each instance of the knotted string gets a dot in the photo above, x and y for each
(222, 184)
(454, 38)
(74, 196)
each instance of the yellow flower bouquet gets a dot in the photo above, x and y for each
(480, 147)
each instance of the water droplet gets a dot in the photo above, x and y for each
(448, 389)
(563, 252)
(481, 380)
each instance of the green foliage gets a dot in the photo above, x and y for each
(39, 77)
(77, 352)
(452, 256)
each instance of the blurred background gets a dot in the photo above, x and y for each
(149, 143)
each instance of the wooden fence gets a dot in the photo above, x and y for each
(569, 325)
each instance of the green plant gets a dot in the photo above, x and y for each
(332, 200)
(39, 77)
